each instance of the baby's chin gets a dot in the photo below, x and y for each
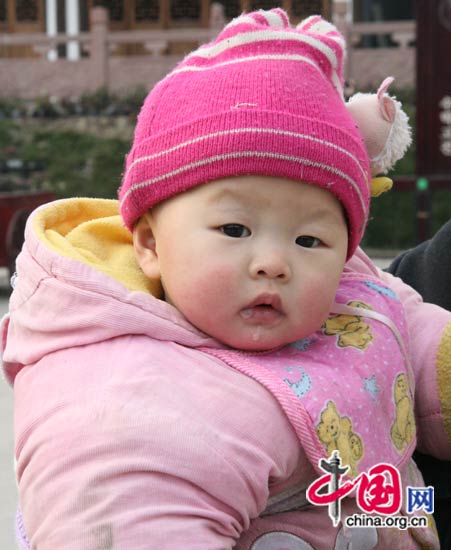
(251, 338)
(258, 341)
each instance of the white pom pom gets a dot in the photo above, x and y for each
(398, 141)
(383, 125)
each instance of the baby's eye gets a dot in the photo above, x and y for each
(235, 230)
(307, 241)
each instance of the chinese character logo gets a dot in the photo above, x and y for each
(378, 490)
(420, 498)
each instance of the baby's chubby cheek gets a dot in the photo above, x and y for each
(208, 293)
(315, 299)
(218, 284)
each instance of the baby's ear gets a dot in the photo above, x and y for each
(145, 247)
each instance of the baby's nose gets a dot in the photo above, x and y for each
(271, 266)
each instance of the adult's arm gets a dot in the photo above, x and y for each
(427, 268)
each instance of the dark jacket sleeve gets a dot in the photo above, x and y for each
(427, 268)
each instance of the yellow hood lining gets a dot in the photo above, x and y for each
(91, 231)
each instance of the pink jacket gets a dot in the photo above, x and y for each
(131, 433)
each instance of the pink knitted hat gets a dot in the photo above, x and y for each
(263, 98)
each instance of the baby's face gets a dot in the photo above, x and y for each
(253, 261)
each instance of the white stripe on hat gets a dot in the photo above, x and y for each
(275, 57)
(273, 18)
(318, 25)
(337, 83)
(246, 154)
(209, 52)
(235, 131)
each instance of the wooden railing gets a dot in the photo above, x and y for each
(101, 63)
(402, 33)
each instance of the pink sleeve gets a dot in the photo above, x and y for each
(430, 345)
(169, 452)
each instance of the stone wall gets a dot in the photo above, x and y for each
(31, 78)
(368, 68)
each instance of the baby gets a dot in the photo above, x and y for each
(254, 261)
(179, 382)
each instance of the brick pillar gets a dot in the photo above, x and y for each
(98, 18)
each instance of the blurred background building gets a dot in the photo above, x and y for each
(112, 40)
(73, 15)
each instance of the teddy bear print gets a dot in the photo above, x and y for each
(335, 432)
(350, 329)
(403, 427)
(356, 446)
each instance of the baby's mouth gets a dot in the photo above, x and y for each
(265, 309)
